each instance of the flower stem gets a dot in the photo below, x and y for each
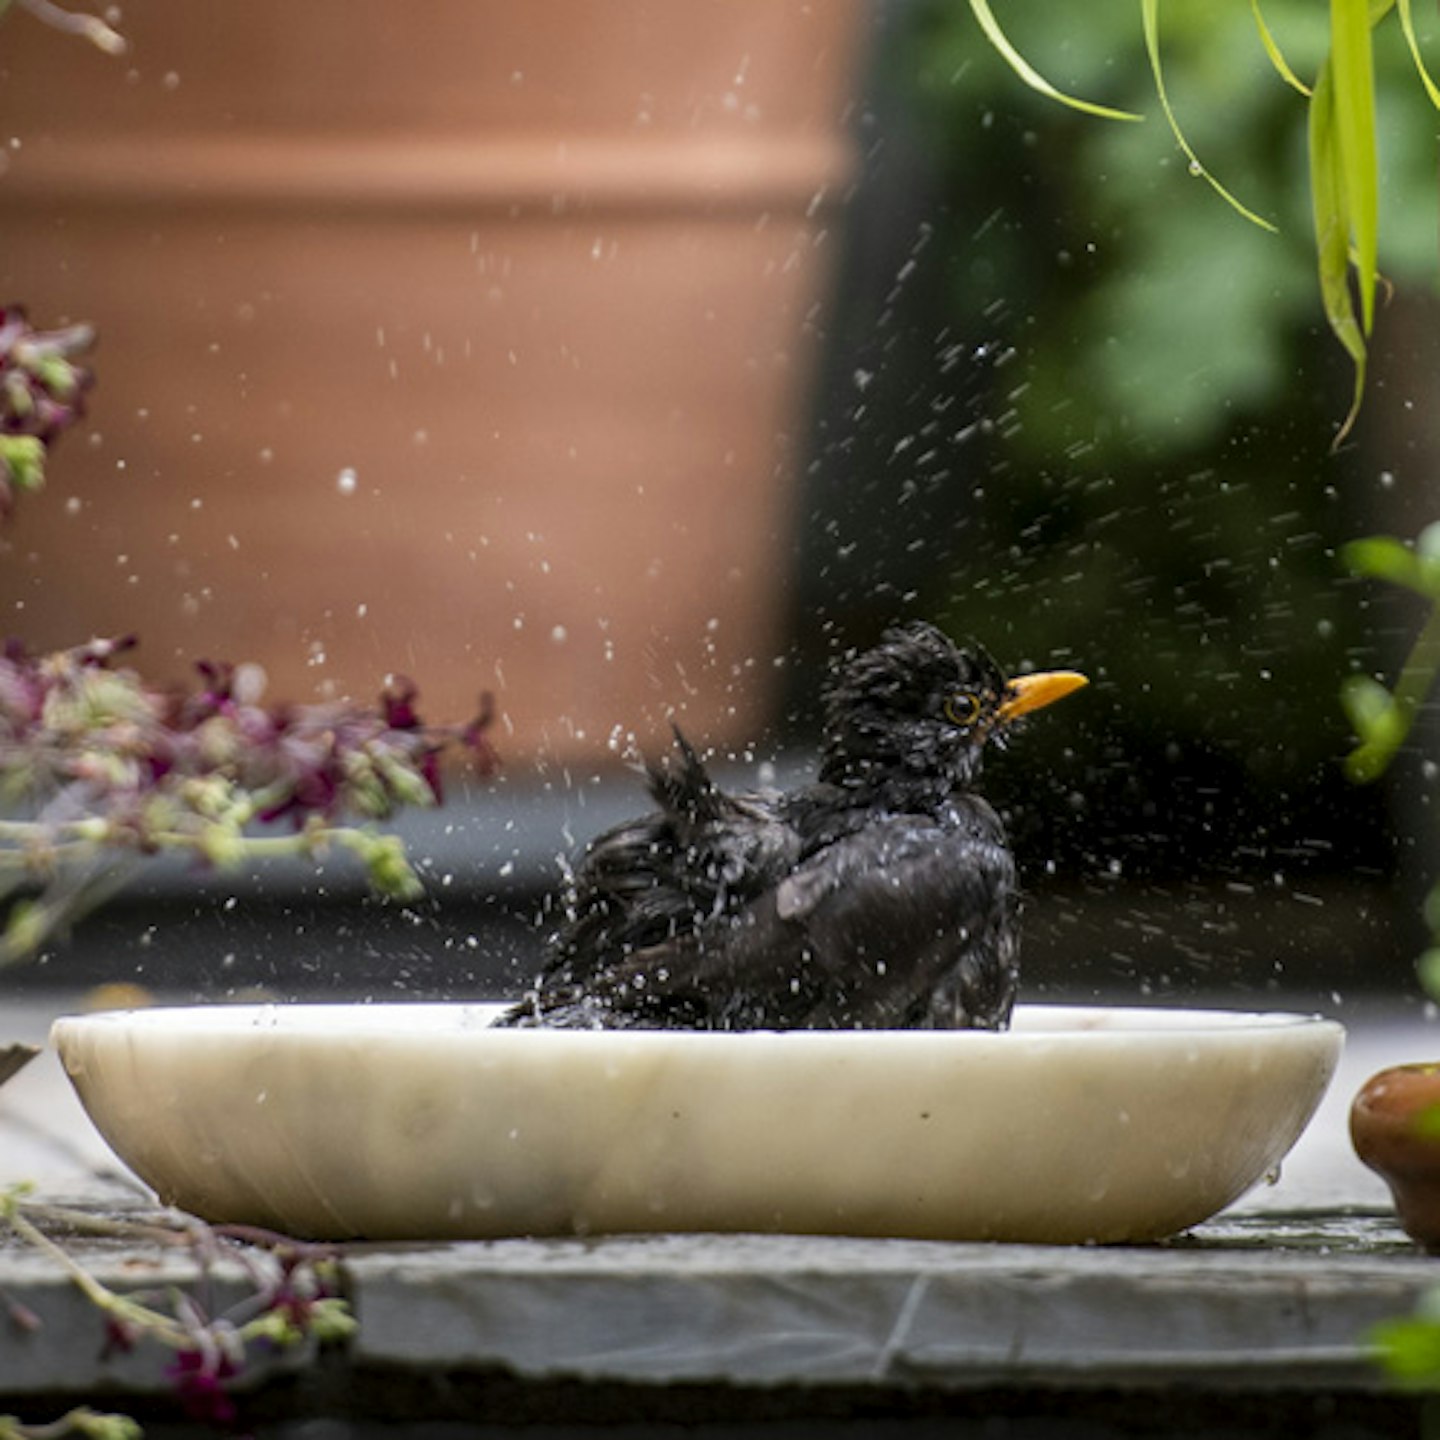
(120, 1307)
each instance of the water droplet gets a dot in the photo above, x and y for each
(347, 481)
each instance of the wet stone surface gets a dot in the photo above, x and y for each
(1369, 1232)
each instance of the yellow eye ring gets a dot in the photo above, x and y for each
(962, 708)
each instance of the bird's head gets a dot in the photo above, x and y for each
(919, 707)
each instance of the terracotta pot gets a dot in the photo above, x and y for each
(1395, 1128)
(472, 345)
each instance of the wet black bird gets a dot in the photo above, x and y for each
(881, 896)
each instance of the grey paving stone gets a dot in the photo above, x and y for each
(761, 1310)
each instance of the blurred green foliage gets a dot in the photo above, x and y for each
(1381, 718)
(1143, 485)
(1176, 272)
(1409, 1348)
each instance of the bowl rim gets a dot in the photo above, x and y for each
(1051, 1022)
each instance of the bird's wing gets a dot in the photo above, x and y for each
(646, 888)
(905, 923)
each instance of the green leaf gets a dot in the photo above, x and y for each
(1382, 557)
(1332, 237)
(1428, 968)
(1407, 24)
(1277, 58)
(1150, 13)
(1352, 70)
(1370, 707)
(1022, 67)
(1379, 723)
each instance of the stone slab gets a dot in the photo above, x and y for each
(1255, 1303)
(1264, 1303)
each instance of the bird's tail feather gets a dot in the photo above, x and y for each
(683, 786)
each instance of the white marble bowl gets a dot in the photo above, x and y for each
(418, 1121)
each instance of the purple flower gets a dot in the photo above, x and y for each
(121, 1337)
(397, 703)
(199, 1377)
(110, 762)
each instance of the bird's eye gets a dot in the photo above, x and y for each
(961, 708)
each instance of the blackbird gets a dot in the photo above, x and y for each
(882, 896)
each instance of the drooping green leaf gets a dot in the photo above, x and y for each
(1150, 12)
(1332, 237)
(1352, 72)
(1032, 77)
(1272, 49)
(1407, 24)
(1344, 182)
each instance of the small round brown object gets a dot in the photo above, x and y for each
(1395, 1128)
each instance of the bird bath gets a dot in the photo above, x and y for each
(419, 1121)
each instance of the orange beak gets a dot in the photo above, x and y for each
(1031, 692)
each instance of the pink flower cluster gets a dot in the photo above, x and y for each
(83, 734)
